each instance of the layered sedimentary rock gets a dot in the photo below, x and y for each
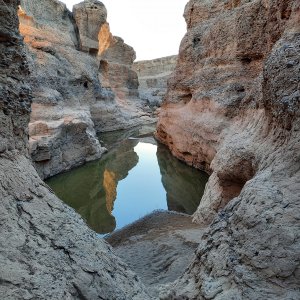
(233, 109)
(70, 98)
(153, 76)
(46, 250)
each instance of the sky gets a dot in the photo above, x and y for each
(154, 28)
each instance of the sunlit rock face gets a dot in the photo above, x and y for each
(232, 109)
(153, 76)
(89, 15)
(46, 250)
(116, 68)
(71, 98)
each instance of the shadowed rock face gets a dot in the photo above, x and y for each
(232, 108)
(46, 250)
(71, 99)
(116, 60)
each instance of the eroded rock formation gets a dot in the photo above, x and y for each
(71, 99)
(89, 16)
(46, 250)
(153, 77)
(233, 109)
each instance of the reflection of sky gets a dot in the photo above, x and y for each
(141, 191)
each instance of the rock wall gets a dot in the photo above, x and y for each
(71, 101)
(46, 250)
(233, 109)
(89, 17)
(153, 76)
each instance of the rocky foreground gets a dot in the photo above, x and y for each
(233, 109)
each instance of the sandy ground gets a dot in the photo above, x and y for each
(157, 247)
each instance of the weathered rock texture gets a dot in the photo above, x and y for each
(89, 16)
(153, 76)
(46, 251)
(71, 100)
(233, 109)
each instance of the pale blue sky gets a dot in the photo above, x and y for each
(154, 28)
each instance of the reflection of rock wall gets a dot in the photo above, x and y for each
(70, 102)
(153, 76)
(232, 108)
(184, 185)
(46, 250)
(92, 189)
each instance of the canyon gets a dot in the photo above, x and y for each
(82, 83)
(153, 77)
(230, 105)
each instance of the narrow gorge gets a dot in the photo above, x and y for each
(171, 178)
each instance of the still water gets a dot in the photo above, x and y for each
(135, 177)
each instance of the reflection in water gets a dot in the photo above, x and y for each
(109, 184)
(92, 188)
(184, 185)
(132, 179)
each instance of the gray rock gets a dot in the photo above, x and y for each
(153, 77)
(232, 108)
(73, 95)
(46, 250)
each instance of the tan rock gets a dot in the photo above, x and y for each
(89, 15)
(232, 109)
(116, 59)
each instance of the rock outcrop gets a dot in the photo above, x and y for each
(89, 16)
(233, 109)
(71, 99)
(153, 76)
(46, 250)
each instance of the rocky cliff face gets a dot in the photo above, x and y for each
(46, 251)
(71, 100)
(153, 77)
(232, 109)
